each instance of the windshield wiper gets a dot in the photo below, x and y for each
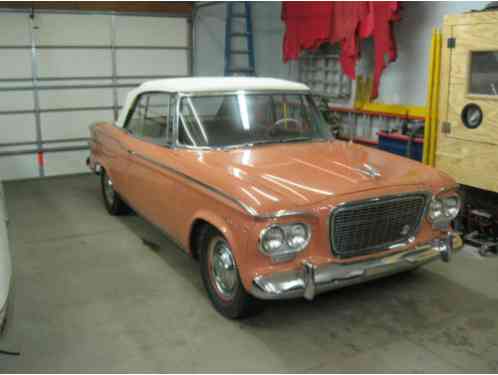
(269, 141)
(296, 139)
(252, 143)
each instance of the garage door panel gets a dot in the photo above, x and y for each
(78, 29)
(74, 63)
(67, 162)
(152, 62)
(76, 82)
(15, 63)
(16, 100)
(17, 128)
(18, 26)
(123, 94)
(154, 31)
(64, 50)
(75, 98)
(18, 166)
(64, 125)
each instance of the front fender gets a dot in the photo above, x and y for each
(234, 230)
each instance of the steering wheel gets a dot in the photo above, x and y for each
(278, 123)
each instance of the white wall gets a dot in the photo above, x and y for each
(403, 82)
(268, 30)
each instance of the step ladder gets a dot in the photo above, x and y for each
(244, 66)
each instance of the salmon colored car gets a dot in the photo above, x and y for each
(244, 174)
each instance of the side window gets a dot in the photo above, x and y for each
(191, 130)
(151, 117)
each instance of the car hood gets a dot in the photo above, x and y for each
(273, 177)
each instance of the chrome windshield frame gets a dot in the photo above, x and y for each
(181, 95)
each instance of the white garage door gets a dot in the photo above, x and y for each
(59, 72)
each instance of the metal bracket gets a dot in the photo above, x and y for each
(309, 280)
(451, 42)
(445, 127)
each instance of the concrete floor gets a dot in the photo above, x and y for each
(91, 296)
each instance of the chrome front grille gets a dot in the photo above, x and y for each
(360, 228)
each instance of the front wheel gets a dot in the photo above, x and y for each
(221, 277)
(113, 202)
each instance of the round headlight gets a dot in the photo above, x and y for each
(435, 210)
(297, 236)
(272, 239)
(451, 206)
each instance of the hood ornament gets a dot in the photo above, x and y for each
(370, 171)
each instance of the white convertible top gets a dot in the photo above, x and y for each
(193, 85)
(205, 84)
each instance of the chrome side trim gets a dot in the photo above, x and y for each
(284, 213)
(251, 211)
(248, 209)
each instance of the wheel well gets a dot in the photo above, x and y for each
(197, 228)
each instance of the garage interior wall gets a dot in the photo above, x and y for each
(67, 112)
(60, 72)
(209, 40)
(403, 82)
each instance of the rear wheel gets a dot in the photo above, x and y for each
(221, 277)
(113, 202)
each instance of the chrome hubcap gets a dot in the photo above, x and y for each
(223, 269)
(108, 190)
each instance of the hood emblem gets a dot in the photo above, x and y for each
(370, 171)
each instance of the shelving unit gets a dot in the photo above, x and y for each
(372, 121)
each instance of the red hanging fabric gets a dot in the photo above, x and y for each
(384, 14)
(306, 27)
(346, 18)
(310, 24)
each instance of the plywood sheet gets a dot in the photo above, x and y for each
(468, 155)
(470, 163)
(477, 37)
(487, 132)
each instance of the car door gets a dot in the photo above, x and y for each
(115, 150)
(151, 176)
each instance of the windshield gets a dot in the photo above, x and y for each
(244, 119)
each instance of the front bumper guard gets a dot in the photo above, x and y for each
(311, 279)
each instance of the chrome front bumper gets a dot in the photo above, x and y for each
(311, 280)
